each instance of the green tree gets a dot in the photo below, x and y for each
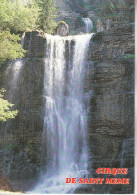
(9, 46)
(18, 16)
(48, 13)
(5, 112)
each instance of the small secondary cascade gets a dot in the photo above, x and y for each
(88, 24)
(11, 84)
(13, 71)
(65, 122)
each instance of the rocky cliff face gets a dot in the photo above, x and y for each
(109, 82)
(71, 11)
(111, 116)
(20, 139)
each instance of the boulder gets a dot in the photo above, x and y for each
(62, 29)
(5, 185)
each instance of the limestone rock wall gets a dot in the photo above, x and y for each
(111, 115)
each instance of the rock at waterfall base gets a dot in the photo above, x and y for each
(5, 185)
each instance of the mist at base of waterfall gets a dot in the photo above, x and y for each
(57, 183)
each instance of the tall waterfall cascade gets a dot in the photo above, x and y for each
(88, 24)
(65, 122)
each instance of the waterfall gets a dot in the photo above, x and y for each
(11, 84)
(13, 71)
(22, 39)
(88, 24)
(65, 122)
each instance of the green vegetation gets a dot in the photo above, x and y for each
(62, 22)
(5, 112)
(47, 14)
(9, 46)
(18, 16)
(129, 56)
(22, 16)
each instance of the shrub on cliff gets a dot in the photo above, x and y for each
(9, 46)
(20, 16)
(5, 112)
(15, 16)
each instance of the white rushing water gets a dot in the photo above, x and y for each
(65, 123)
(22, 39)
(11, 84)
(88, 24)
(13, 71)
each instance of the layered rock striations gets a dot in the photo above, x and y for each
(111, 115)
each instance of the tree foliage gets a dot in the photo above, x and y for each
(18, 16)
(22, 16)
(5, 106)
(48, 13)
(9, 46)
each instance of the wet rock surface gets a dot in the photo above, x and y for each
(20, 139)
(111, 114)
(5, 185)
(34, 43)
